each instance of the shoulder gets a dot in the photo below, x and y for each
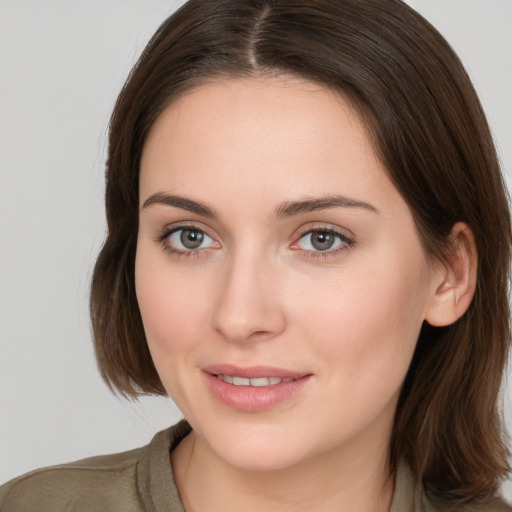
(98, 483)
(410, 496)
(491, 505)
(136, 480)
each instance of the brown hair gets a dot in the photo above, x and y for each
(430, 132)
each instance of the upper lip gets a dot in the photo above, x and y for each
(252, 372)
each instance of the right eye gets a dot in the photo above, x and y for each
(188, 239)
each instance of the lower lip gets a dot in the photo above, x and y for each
(253, 398)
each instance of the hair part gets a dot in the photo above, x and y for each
(429, 130)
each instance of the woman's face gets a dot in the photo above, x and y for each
(279, 274)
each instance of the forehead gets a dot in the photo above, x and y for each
(266, 137)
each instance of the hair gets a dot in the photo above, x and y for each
(429, 130)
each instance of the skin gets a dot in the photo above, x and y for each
(257, 292)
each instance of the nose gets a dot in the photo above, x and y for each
(247, 307)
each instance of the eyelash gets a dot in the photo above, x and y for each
(163, 239)
(346, 242)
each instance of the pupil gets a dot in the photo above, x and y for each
(322, 240)
(191, 238)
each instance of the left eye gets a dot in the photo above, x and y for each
(189, 239)
(321, 240)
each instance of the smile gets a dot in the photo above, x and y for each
(256, 382)
(256, 388)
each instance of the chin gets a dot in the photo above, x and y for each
(262, 448)
(254, 458)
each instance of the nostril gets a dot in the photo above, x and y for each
(258, 335)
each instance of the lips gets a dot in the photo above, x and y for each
(253, 389)
(252, 372)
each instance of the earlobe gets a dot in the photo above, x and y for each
(455, 283)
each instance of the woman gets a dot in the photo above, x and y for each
(308, 251)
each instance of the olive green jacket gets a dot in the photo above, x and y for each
(141, 480)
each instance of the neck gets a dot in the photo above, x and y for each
(345, 479)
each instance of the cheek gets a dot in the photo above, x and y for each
(172, 312)
(368, 320)
(169, 303)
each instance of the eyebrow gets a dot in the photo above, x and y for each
(289, 209)
(286, 209)
(180, 202)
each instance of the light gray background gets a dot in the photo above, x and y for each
(62, 63)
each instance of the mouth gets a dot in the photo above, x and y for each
(254, 389)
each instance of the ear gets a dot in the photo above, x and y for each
(455, 280)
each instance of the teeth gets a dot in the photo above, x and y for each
(240, 381)
(257, 382)
(263, 381)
